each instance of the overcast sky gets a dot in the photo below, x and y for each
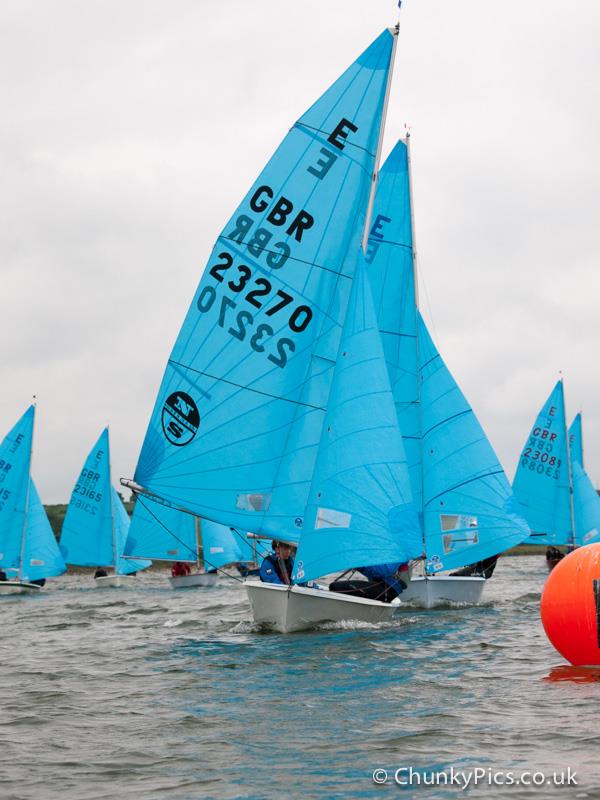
(131, 129)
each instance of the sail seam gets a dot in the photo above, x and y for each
(241, 386)
(464, 483)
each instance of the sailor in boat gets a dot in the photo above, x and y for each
(277, 566)
(3, 575)
(553, 556)
(180, 568)
(100, 573)
(480, 569)
(384, 582)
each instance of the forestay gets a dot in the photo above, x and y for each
(360, 511)
(235, 429)
(469, 509)
(541, 483)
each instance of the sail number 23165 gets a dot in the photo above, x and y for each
(256, 292)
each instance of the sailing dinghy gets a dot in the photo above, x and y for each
(239, 418)
(466, 508)
(164, 534)
(96, 523)
(28, 549)
(556, 494)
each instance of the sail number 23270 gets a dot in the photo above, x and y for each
(256, 292)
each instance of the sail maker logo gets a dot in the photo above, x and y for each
(180, 419)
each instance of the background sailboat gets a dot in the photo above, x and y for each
(555, 492)
(165, 534)
(28, 549)
(466, 508)
(96, 523)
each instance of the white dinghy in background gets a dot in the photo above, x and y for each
(19, 587)
(429, 591)
(193, 580)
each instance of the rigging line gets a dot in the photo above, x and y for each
(161, 523)
(240, 386)
(464, 483)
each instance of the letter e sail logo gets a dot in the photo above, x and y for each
(180, 418)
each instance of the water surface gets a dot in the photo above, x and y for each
(150, 693)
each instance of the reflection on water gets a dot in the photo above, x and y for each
(149, 693)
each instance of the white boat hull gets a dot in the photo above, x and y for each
(18, 587)
(297, 608)
(193, 581)
(437, 590)
(114, 581)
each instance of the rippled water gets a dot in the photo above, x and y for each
(149, 693)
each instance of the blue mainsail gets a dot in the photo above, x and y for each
(15, 459)
(360, 510)
(542, 481)
(464, 499)
(470, 512)
(236, 426)
(163, 533)
(95, 525)
(28, 549)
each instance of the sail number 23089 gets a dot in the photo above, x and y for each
(255, 292)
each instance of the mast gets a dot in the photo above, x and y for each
(112, 511)
(26, 510)
(374, 177)
(198, 542)
(416, 291)
(571, 540)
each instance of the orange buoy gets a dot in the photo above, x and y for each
(570, 606)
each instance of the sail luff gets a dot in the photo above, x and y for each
(27, 495)
(375, 174)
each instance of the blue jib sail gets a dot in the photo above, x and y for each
(41, 556)
(586, 501)
(235, 429)
(121, 522)
(92, 528)
(470, 512)
(541, 483)
(576, 440)
(28, 549)
(360, 511)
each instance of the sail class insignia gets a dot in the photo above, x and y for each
(180, 418)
